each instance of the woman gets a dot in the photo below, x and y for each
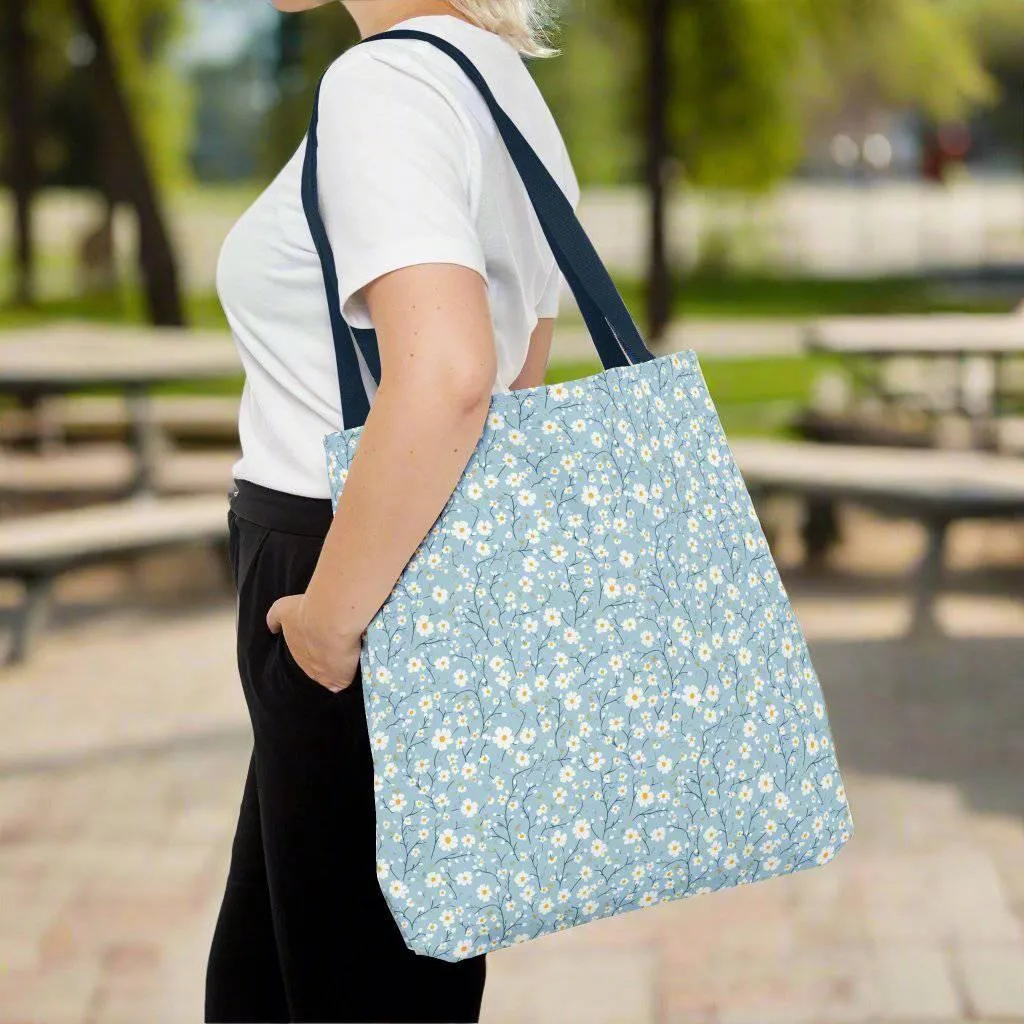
(438, 249)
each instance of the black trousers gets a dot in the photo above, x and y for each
(304, 933)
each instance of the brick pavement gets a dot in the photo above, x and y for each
(122, 751)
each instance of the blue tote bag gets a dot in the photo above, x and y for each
(588, 692)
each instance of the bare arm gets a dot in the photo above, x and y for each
(535, 367)
(438, 368)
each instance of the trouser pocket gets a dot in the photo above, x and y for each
(291, 670)
(273, 564)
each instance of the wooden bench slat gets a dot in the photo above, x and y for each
(1009, 431)
(48, 538)
(99, 468)
(927, 334)
(923, 475)
(71, 356)
(935, 487)
(190, 416)
(38, 548)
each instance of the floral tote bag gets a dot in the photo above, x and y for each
(588, 692)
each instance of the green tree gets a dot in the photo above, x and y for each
(997, 26)
(85, 83)
(915, 53)
(21, 111)
(126, 172)
(726, 89)
(585, 87)
(307, 44)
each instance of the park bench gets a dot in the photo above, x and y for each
(938, 380)
(196, 419)
(1009, 435)
(36, 549)
(862, 428)
(104, 471)
(934, 487)
(73, 360)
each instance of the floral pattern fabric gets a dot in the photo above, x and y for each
(588, 692)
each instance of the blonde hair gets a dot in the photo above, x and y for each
(523, 23)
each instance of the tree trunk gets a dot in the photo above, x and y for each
(659, 275)
(21, 138)
(136, 185)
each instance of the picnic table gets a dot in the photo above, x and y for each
(63, 359)
(928, 334)
(981, 351)
(936, 488)
(39, 548)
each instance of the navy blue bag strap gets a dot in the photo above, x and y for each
(355, 405)
(612, 329)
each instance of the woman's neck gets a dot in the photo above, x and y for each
(372, 16)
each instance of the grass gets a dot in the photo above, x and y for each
(700, 297)
(752, 395)
(795, 297)
(734, 381)
(128, 307)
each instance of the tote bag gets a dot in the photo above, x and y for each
(587, 693)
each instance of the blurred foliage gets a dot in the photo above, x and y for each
(307, 45)
(143, 33)
(736, 118)
(919, 53)
(584, 87)
(750, 76)
(997, 26)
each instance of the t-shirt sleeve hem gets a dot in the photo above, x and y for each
(550, 308)
(374, 263)
(549, 303)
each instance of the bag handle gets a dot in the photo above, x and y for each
(612, 329)
(355, 404)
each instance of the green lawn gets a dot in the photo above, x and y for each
(704, 297)
(795, 298)
(754, 395)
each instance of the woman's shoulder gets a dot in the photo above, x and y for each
(374, 81)
(383, 78)
(382, 102)
(392, 64)
(415, 72)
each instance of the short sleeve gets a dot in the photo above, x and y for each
(396, 166)
(550, 300)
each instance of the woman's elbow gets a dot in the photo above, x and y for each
(466, 384)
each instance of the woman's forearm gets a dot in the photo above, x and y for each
(415, 446)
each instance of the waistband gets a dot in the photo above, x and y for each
(279, 510)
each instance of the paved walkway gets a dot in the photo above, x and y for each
(123, 746)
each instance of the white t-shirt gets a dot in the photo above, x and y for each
(411, 170)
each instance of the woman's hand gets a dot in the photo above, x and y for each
(330, 659)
